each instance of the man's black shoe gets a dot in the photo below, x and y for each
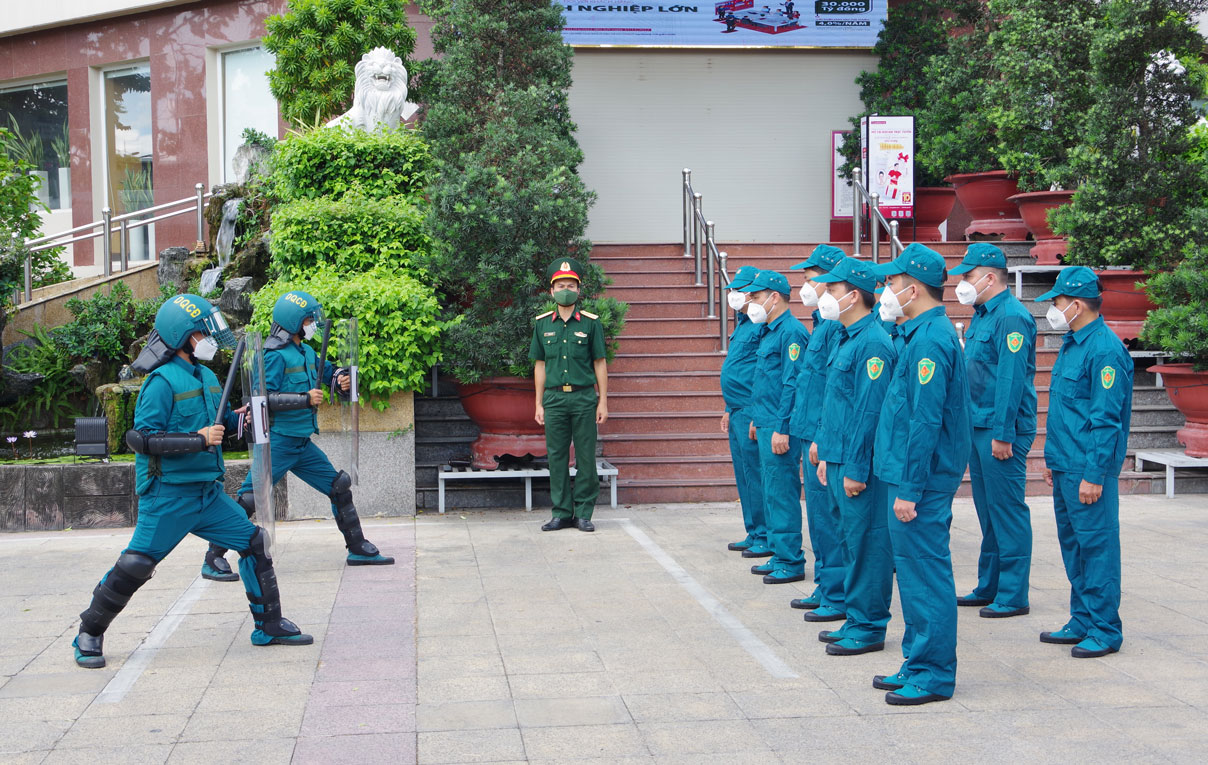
(555, 524)
(585, 525)
(971, 600)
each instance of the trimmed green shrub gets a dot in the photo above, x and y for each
(331, 162)
(107, 323)
(1179, 325)
(20, 214)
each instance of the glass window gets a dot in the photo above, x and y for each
(127, 102)
(36, 116)
(246, 101)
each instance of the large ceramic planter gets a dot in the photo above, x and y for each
(1034, 207)
(1188, 392)
(504, 409)
(932, 206)
(984, 196)
(1124, 306)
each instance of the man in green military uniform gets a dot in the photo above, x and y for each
(568, 366)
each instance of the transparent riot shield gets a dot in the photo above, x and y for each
(350, 408)
(258, 435)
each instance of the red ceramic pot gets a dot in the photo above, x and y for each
(984, 196)
(1034, 207)
(932, 206)
(1188, 392)
(1125, 307)
(503, 408)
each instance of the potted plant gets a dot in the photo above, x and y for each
(1038, 104)
(62, 149)
(30, 150)
(1140, 199)
(136, 195)
(912, 34)
(956, 137)
(507, 200)
(1179, 326)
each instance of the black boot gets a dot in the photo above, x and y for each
(109, 597)
(215, 567)
(361, 552)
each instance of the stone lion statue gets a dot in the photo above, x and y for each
(380, 97)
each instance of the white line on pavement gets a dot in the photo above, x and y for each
(128, 675)
(745, 638)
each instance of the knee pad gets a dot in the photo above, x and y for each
(257, 547)
(111, 595)
(247, 500)
(341, 489)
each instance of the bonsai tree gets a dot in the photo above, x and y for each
(1038, 101)
(507, 199)
(914, 32)
(1179, 326)
(1140, 199)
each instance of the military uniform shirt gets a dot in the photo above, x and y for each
(568, 348)
(1001, 359)
(738, 369)
(294, 369)
(779, 362)
(860, 369)
(1090, 404)
(811, 382)
(924, 433)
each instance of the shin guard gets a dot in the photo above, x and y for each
(111, 595)
(264, 597)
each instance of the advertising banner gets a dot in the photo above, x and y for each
(841, 193)
(890, 164)
(726, 24)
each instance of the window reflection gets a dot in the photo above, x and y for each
(127, 104)
(36, 117)
(246, 101)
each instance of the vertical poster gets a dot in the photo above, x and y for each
(841, 191)
(890, 163)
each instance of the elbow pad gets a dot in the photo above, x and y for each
(284, 402)
(141, 442)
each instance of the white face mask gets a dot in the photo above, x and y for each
(205, 349)
(968, 293)
(809, 295)
(308, 330)
(758, 312)
(891, 307)
(828, 306)
(884, 313)
(736, 300)
(1057, 319)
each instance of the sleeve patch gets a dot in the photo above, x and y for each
(1107, 377)
(875, 365)
(1014, 342)
(794, 351)
(926, 371)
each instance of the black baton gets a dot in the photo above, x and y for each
(230, 383)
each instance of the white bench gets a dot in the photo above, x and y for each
(1171, 458)
(450, 473)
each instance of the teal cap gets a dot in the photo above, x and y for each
(980, 254)
(742, 278)
(916, 261)
(1076, 282)
(824, 256)
(768, 280)
(857, 273)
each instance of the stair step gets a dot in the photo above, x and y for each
(646, 327)
(670, 362)
(675, 309)
(656, 402)
(658, 446)
(659, 344)
(639, 382)
(673, 422)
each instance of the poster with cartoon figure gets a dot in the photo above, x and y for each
(890, 162)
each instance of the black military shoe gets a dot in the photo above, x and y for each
(556, 524)
(89, 650)
(585, 524)
(217, 569)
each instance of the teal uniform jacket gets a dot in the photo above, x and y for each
(179, 397)
(1090, 404)
(811, 381)
(924, 432)
(779, 364)
(293, 369)
(861, 369)
(738, 369)
(1000, 351)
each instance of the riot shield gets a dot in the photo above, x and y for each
(258, 435)
(350, 407)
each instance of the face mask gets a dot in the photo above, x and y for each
(886, 314)
(809, 297)
(736, 300)
(1057, 319)
(758, 312)
(566, 298)
(891, 307)
(828, 306)
(968, 293)
(308, 331)
(205, 349)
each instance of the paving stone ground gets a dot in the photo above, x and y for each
(646, 642)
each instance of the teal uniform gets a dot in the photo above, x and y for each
(921, 450)
(737, 381)
(773, 401)
(1000, 352)
(860, 370)
(820, 513)
(1090, 404)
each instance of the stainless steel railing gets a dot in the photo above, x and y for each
(700, 243)
(877, 221)
(125, 223)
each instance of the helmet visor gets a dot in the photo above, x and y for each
(216, 325)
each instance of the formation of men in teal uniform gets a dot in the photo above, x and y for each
(890, 410)
(178, 471)
(295, 379)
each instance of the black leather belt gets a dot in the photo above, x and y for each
(569, 388)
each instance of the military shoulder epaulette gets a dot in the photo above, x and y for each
(589, 315)
(542, 316)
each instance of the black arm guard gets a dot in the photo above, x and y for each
(284, 402)
(141, 442)
(336, 390)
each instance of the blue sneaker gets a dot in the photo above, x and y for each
(783, 576)
(853, 647)
(1063, 636)
(824, 614)
(757, 551)
(763, 569)
(813, 601)
(740, 546)
(999, 611)
(912, 695)
(89, 655)
(1090, 649)
(890, 682)
(369, 560)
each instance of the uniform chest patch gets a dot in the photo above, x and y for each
(794, 351)
(875, 365)
(926, 371)
(550, 334)
(1107, 377)
(580, 334)
(1014, 342)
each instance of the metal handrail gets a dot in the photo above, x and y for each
(125, 224)
(860, 195)
(699, 234)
